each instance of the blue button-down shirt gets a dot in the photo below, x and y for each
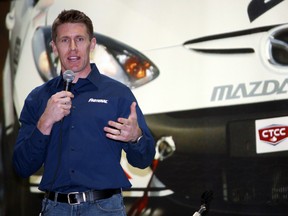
(77, 155)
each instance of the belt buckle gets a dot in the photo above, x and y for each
(75, 200)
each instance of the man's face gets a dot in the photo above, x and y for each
(73, 47)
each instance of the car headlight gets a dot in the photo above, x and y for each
(113, 58)
(44, 58)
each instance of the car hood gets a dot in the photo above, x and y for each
(152, 24)
(171, 33)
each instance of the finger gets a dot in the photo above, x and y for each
(133, 113)
(62, 94)
(122, 122)
(114, 124)
(65, 95)
(113, 131)
(66, 101)
(132, 117)
(114, 137)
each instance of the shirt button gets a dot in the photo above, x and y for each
(72, 171)
(72, 127)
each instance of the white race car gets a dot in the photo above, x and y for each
(211, 79)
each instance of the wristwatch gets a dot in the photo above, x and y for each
(138, 139)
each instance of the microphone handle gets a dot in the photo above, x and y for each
(67, 86)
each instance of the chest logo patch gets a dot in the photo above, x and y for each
(95, 100)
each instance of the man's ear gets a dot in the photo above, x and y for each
(54, 48)
(92, 44)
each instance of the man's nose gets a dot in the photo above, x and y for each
(73, 45)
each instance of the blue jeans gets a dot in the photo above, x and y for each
(112, 206)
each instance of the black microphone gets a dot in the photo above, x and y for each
(68, 77)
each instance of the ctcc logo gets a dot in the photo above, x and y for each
(273, 134)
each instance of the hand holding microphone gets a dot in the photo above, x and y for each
(58, 106)
(65, 101)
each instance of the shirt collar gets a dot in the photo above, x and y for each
(94, 77)
(60, 82)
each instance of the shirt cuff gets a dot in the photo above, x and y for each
(38, 138)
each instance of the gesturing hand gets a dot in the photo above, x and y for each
(125, 129)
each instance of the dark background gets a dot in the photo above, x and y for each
(4, 8)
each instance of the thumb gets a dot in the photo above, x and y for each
(133, 113)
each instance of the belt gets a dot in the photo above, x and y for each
(74, 198)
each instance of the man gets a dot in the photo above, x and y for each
(79, 135)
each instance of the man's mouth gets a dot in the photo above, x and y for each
(73, 58)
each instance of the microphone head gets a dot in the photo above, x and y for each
(68, 76)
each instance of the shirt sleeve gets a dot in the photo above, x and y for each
(141, 153)
(30, 147)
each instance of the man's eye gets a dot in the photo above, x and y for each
(80, 39)
(64, 40)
